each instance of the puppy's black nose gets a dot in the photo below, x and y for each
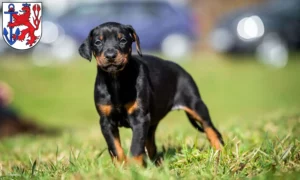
(110, 54)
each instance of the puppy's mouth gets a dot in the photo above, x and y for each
(112, 67)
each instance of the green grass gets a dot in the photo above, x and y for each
(256, 108)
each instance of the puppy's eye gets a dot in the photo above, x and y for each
(98, 43)
(123, 41)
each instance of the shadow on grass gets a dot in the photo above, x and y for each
(19, 126)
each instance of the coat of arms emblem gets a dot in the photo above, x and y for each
(22, 24)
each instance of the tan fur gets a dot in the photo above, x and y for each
(131, 107)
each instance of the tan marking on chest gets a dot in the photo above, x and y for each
(105, 109)
(131, 107)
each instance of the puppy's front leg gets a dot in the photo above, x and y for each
(140, 129)
(112, 137)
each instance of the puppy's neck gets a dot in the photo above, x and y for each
(112, 75)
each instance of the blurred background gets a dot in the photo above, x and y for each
(244, 55)
(267, 29)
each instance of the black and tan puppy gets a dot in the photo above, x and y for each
(137, 91)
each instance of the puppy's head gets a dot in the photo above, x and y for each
(110, 43)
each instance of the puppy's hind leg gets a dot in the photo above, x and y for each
(198, 112)
(188, 99)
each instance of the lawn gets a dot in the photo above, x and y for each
(256, 108)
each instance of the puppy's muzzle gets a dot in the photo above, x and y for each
(110, 55)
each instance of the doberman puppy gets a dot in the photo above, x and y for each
(136, 92)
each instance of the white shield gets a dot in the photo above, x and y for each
(21, 22)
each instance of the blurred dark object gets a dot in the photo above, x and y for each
(11, 123)
(14, 125)
(162, 26)
(273, 24)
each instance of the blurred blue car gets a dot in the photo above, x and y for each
(160, 25)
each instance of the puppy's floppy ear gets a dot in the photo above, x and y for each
(85, 48)
(135, 38)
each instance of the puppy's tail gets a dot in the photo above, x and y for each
(196, 125)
